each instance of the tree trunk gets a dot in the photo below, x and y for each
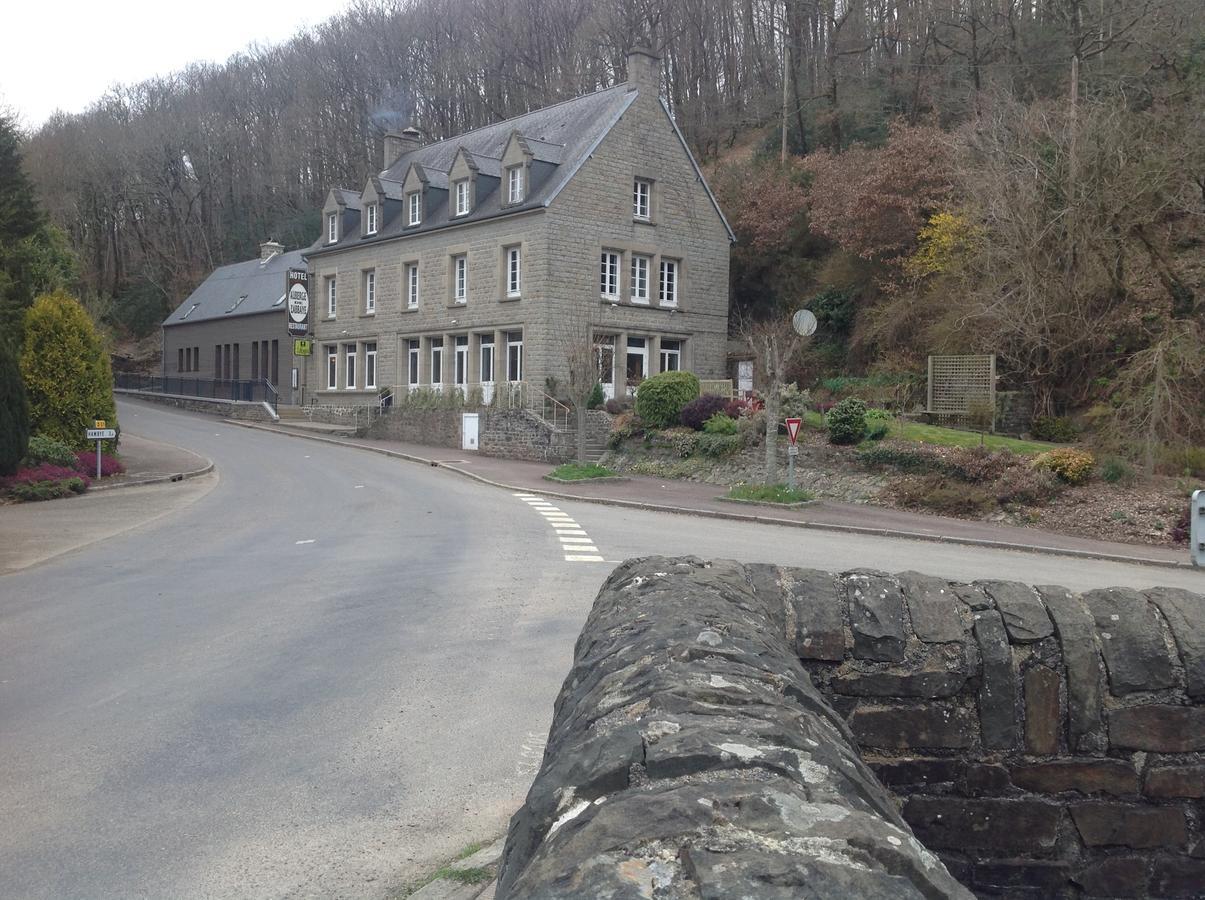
(581, 433)
(773, 402)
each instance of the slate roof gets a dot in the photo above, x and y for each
(561, 138)
(240, 289)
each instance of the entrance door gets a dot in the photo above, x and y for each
(637, 363)
(468, 431)
(604, 355)
(487, 370)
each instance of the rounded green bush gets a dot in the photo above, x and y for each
(721, 423)
(14, 411)
(659, 399)
(43, 449)
(847, 422)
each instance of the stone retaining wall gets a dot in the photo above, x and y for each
(227, 409)
(1042, 743)
(690, 756)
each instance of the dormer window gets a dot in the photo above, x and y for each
(332, 228)
(642, 199)
(370, 218)
(414, 202)
(462, 197)
(514, 184)
(192, 309)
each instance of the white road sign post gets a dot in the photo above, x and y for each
(98, 435)
(792, 450)
(1196, 528)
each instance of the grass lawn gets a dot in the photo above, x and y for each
(947, 437)
(768, 493)
(579, 472)
(953, 437)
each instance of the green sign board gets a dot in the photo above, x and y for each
(303, 347)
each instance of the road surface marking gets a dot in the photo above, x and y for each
(575, 543)
(310, 541)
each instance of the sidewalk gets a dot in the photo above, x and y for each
(149, 462)
(701, 500)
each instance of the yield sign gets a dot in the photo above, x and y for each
(793, 428)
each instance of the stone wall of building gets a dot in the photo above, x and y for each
(227, 409)
(690, 756)
(1042, 743)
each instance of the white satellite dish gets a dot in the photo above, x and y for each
(804, 322)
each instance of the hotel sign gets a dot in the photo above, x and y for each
(297, 292)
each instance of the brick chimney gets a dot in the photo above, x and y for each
(644, 70)
(400, 143)
(270, 248)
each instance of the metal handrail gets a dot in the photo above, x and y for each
(272, 398)
(258, 390)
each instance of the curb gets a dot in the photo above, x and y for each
(155, 479)
(744, 517)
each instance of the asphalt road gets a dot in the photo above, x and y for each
(330, 672)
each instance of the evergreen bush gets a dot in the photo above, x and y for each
(1070, 465)
(14, 411)
(43, 449)
(720, 424)
(597, 397)
(696, 413)
(659, 400)
(66, 370)
(847, 422)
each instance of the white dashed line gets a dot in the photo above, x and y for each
(310, 541)
(575, 543)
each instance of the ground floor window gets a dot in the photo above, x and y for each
(349, 362)
(671, 355)
(332, 367)
(412, 356)
(370, 365)
(637, 367)
(514, 356)
(180, 360)
(461, 373)
(255, 360)
(487, 359)
(437, 359)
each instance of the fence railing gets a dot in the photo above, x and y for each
(242, 390)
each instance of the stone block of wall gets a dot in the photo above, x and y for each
(227, 409)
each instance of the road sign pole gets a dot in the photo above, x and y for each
(791, 469)
(1196, 529)
(98, 460)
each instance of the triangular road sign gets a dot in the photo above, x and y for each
(793, 428)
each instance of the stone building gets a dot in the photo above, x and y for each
(483, 259)
(234, 327)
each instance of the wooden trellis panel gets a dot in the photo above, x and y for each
(955, 382)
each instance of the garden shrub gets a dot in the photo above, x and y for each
(717, 445)
(43, 449)
(876, 431)
(66, 370)
(1026, 485)
(720, 423)
(626, 425)
(1182, 530)
(597, 397)
(617, 405)
(793, 402)
(847, 422)
(1116, 470)
(85, 461)
(1055, 429)
(752, 428)
(14, 411)
(1070, 465)
(951, 498)
(682, 441)
(48, 490)
(978, 464)
(881, 415)
(659, 399)
(913, 459)
(699, 410)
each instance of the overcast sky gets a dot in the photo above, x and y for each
(65, 54)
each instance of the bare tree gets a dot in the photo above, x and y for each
(775, 345)
(575, 338)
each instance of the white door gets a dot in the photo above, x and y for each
(468, 431)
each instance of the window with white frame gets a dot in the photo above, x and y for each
(332, 366)
(668, 295)
(437, 359)
(460, 371)
(609, 274)
(640, 278)
(370, 292)
(487, 359)
(460, 278)
(513, 275)
(514, 184)
(642, 199)
(370, 364)
(462, 197)
(414, 203)
(671, 355)
(349, 366)
(412, 286)
(413, 349)
(514, 356)
(331, 305)
(370, 218)
(332, 228)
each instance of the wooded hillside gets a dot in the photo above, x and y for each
(1020, 176)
